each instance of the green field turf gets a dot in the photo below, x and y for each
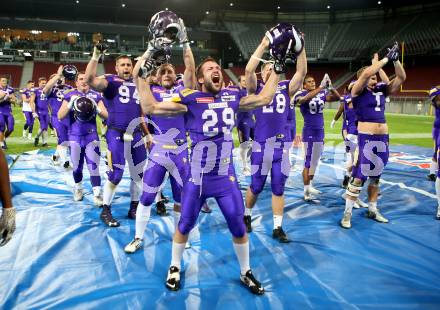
(417, 131)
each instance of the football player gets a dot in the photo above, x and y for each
(272, 136)
(169, 150)
(79, 107)
(434, 94)
(124, 142)
(311, 102)
(54, 91)
(27, 110)
(368, 98)
(433, 168)
(7, 97)
(210, 115)
(39, 104)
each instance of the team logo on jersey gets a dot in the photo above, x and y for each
(158, 90)
(218, 105)
(186, 92)
(281, 87)
(228, 98)
(205, 100)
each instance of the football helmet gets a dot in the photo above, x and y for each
(164, 27)
(84, 109)
(286, 41)
(70, 72)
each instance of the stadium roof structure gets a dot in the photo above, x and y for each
(193, 11)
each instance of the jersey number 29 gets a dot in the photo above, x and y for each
(210, 118)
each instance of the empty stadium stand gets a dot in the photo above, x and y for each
(13, 72)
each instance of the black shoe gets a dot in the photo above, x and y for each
(431, 177)
(54, 158)
(247, 222)
(44, 145)
(107, 217)
(164, 198)
(66, 164)
(36, 141)
(161, 209)
(279, 234)
(251, 283)
(345, 182)
(132, 210)
(173, 279)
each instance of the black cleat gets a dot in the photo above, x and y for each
(161, 209)
(431, 177)
(345, 182)
(251, 283)
(66, 164)
(36, 141)
(107, 217)
(247, 222)
(132, 210)
(278, 233)
(44, 145)
(173, 279)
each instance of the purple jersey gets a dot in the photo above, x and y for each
(271, 120)
(77, 127)
(312, 110)
(209, 121)
(163, 124)
(5, 105)
(370, 104)
(41, 101)
(56, 97)
(437, 116)
(350, 120)
(122, 101)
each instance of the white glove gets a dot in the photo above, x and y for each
(324, 81)
(7, 225)
(183, 34)
(96, 54)
(35, 115)
(332, 124)
(150, 51)
(71, 102)
(147, 67)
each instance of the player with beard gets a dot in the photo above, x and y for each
(368, 98)
(272, 137)
(27, 110)
(312, 101)
(39, 104)
(169, 151)
(124, 140)
(83, 135)
(7, 97)
(54, 91)
(210, 118)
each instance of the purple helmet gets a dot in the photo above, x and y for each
(164, 27)
(70, 72)
(84, 109)
(286, 41)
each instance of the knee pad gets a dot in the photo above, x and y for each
(147, 198)
(115, 176)
(278, 189)
(353, 190)
(186, 225)
(237, 227)
(374, 182)
(256, 188)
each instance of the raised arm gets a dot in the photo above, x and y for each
(101, 109)
(394, 86)
(65, 108)
(301, 71)
(149, 104)
(98, 84)
(265, 97)
(251, 67)
(51, 83)
(362, 81)
(189, 76)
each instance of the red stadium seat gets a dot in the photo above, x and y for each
(13, 72)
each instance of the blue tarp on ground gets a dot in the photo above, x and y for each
(61, 255)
